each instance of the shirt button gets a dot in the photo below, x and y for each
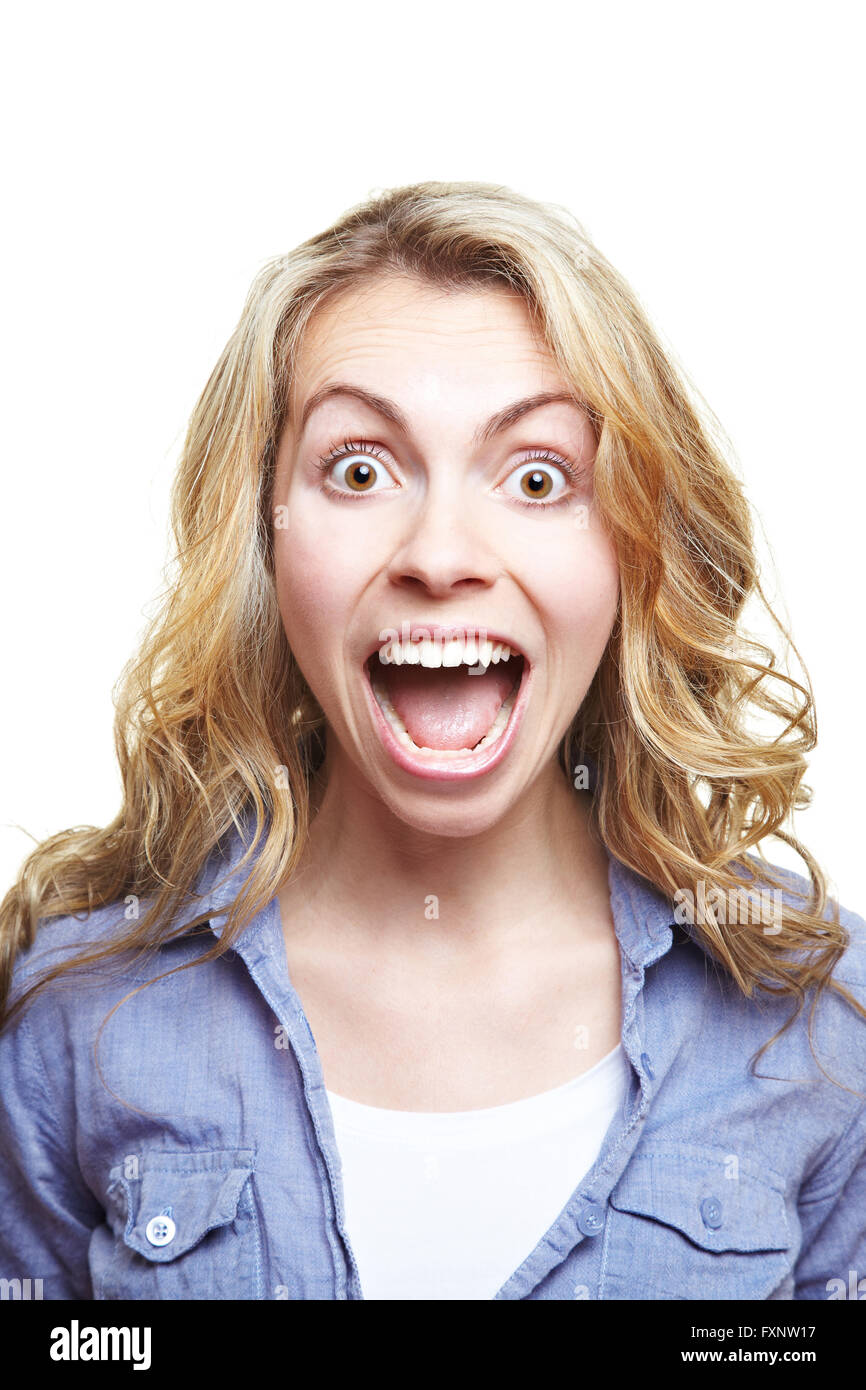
(591, 1219)
(160, 1230)
(711, 1211)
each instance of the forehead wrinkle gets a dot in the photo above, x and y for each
(501, 420)
(361, 339)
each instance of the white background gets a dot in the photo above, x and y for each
(156, 155)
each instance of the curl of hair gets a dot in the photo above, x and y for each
(214, 720)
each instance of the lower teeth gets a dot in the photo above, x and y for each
(405, 738)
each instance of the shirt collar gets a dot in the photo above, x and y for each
(643, 917)
(224, 874)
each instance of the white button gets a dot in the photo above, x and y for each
(160, 1230)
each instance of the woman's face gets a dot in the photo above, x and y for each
(424, 485)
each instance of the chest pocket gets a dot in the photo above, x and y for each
(185, 1226)
(697, 1222)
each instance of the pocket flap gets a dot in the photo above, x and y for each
(174, 1199)
(719, 1200)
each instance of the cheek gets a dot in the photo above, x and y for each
(323, 565)
(578, 593)
(311, 578)
(317, 585)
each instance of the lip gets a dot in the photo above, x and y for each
(451, 768)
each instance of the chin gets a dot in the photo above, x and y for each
(466, 815)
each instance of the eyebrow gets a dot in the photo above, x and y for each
(504, 418)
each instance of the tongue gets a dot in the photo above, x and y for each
(446, 707)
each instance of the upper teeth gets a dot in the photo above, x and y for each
(456, 651)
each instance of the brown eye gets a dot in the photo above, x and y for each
(360, 477)
(538, 483)
(356, 468)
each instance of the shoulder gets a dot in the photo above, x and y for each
(79, 965)
(827, 1032)
(76, 970)
(796, 892)
(59, 939)
(99, 936)
(760, 904)
(39, 1043)
(823, 1009)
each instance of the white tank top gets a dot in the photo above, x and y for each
(448, 1205)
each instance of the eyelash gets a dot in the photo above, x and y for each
(347, 447)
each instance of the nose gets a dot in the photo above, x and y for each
(444, 549)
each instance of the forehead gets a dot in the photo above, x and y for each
(400, 327)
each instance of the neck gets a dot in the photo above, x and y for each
(540, 867)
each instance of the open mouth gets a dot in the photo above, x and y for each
(447, 703)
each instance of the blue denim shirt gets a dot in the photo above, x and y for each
(204, 1165)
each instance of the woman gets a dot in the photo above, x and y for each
(429, 955)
